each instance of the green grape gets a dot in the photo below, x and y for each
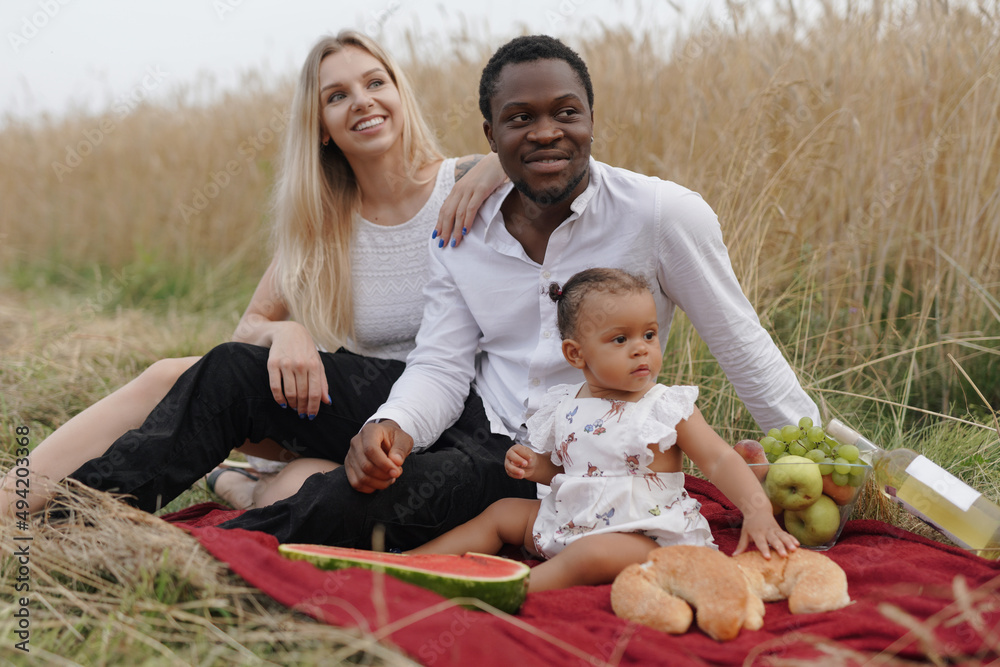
(790, 433)
(858, 470)
(816, 434)
(774, 433)
(826, 466)
(778, 448)
(856, 480)
(826, 449)
(842, 465)
(840, 479)
(768, 443)
(805, 423)
(815, 455)
(848, 452)
(796, 449)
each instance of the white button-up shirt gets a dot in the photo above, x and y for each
(489, 297)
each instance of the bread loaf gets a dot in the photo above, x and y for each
(810, 581)
(658, 593)
(727, 594)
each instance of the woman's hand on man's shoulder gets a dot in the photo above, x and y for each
(476, 178)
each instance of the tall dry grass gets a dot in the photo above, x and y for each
(855, 164)
(181, 186)
(852, 159)
(112, 585)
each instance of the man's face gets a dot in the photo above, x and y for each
(541, 130)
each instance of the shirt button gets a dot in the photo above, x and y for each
(535, 382)
(547, 334)
(546, 275)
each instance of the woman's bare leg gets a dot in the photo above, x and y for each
(91, 432)
(242, 492)
(507, 521)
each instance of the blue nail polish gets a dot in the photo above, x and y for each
(328, 399)
(283, 405)
(302, 416)
(312, 417)
(434, 234)
(453, 243)
(441, 243)
(464, 231)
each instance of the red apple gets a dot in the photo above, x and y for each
(752, 452)
(840, 494)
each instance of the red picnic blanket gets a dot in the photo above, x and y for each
(913, 598)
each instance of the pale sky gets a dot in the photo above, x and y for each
(59, 56)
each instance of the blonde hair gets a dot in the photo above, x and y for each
(316, 198)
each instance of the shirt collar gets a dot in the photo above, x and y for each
(490, 209)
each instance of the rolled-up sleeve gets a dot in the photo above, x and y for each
(430, 395)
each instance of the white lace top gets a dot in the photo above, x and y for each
(389, 270)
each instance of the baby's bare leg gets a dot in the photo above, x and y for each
(91, 432)
(507, 521)
(590, 560)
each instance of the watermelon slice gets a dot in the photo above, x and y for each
(500, 582)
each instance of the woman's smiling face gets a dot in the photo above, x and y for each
(360, 107)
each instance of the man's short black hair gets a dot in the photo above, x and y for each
(527, 49)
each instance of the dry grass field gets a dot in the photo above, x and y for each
(854, 161)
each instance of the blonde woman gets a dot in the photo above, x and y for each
(362, 186)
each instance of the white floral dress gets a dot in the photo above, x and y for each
(607, 486)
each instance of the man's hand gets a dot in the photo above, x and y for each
(376, 456)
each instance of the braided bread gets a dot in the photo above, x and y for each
(727, 593)
(810, 581)
(657, 593)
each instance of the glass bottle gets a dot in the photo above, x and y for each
(931, 493)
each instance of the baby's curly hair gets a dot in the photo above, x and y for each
(570, 296)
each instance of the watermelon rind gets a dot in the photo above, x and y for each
(505, 592)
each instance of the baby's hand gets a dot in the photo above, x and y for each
(519, 462)
(765, 533)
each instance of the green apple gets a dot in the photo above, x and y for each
(816, 524)
(793, 482)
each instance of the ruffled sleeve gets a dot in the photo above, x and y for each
(671, 405)
(542, 424)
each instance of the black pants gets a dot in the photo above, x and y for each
(225, 399)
